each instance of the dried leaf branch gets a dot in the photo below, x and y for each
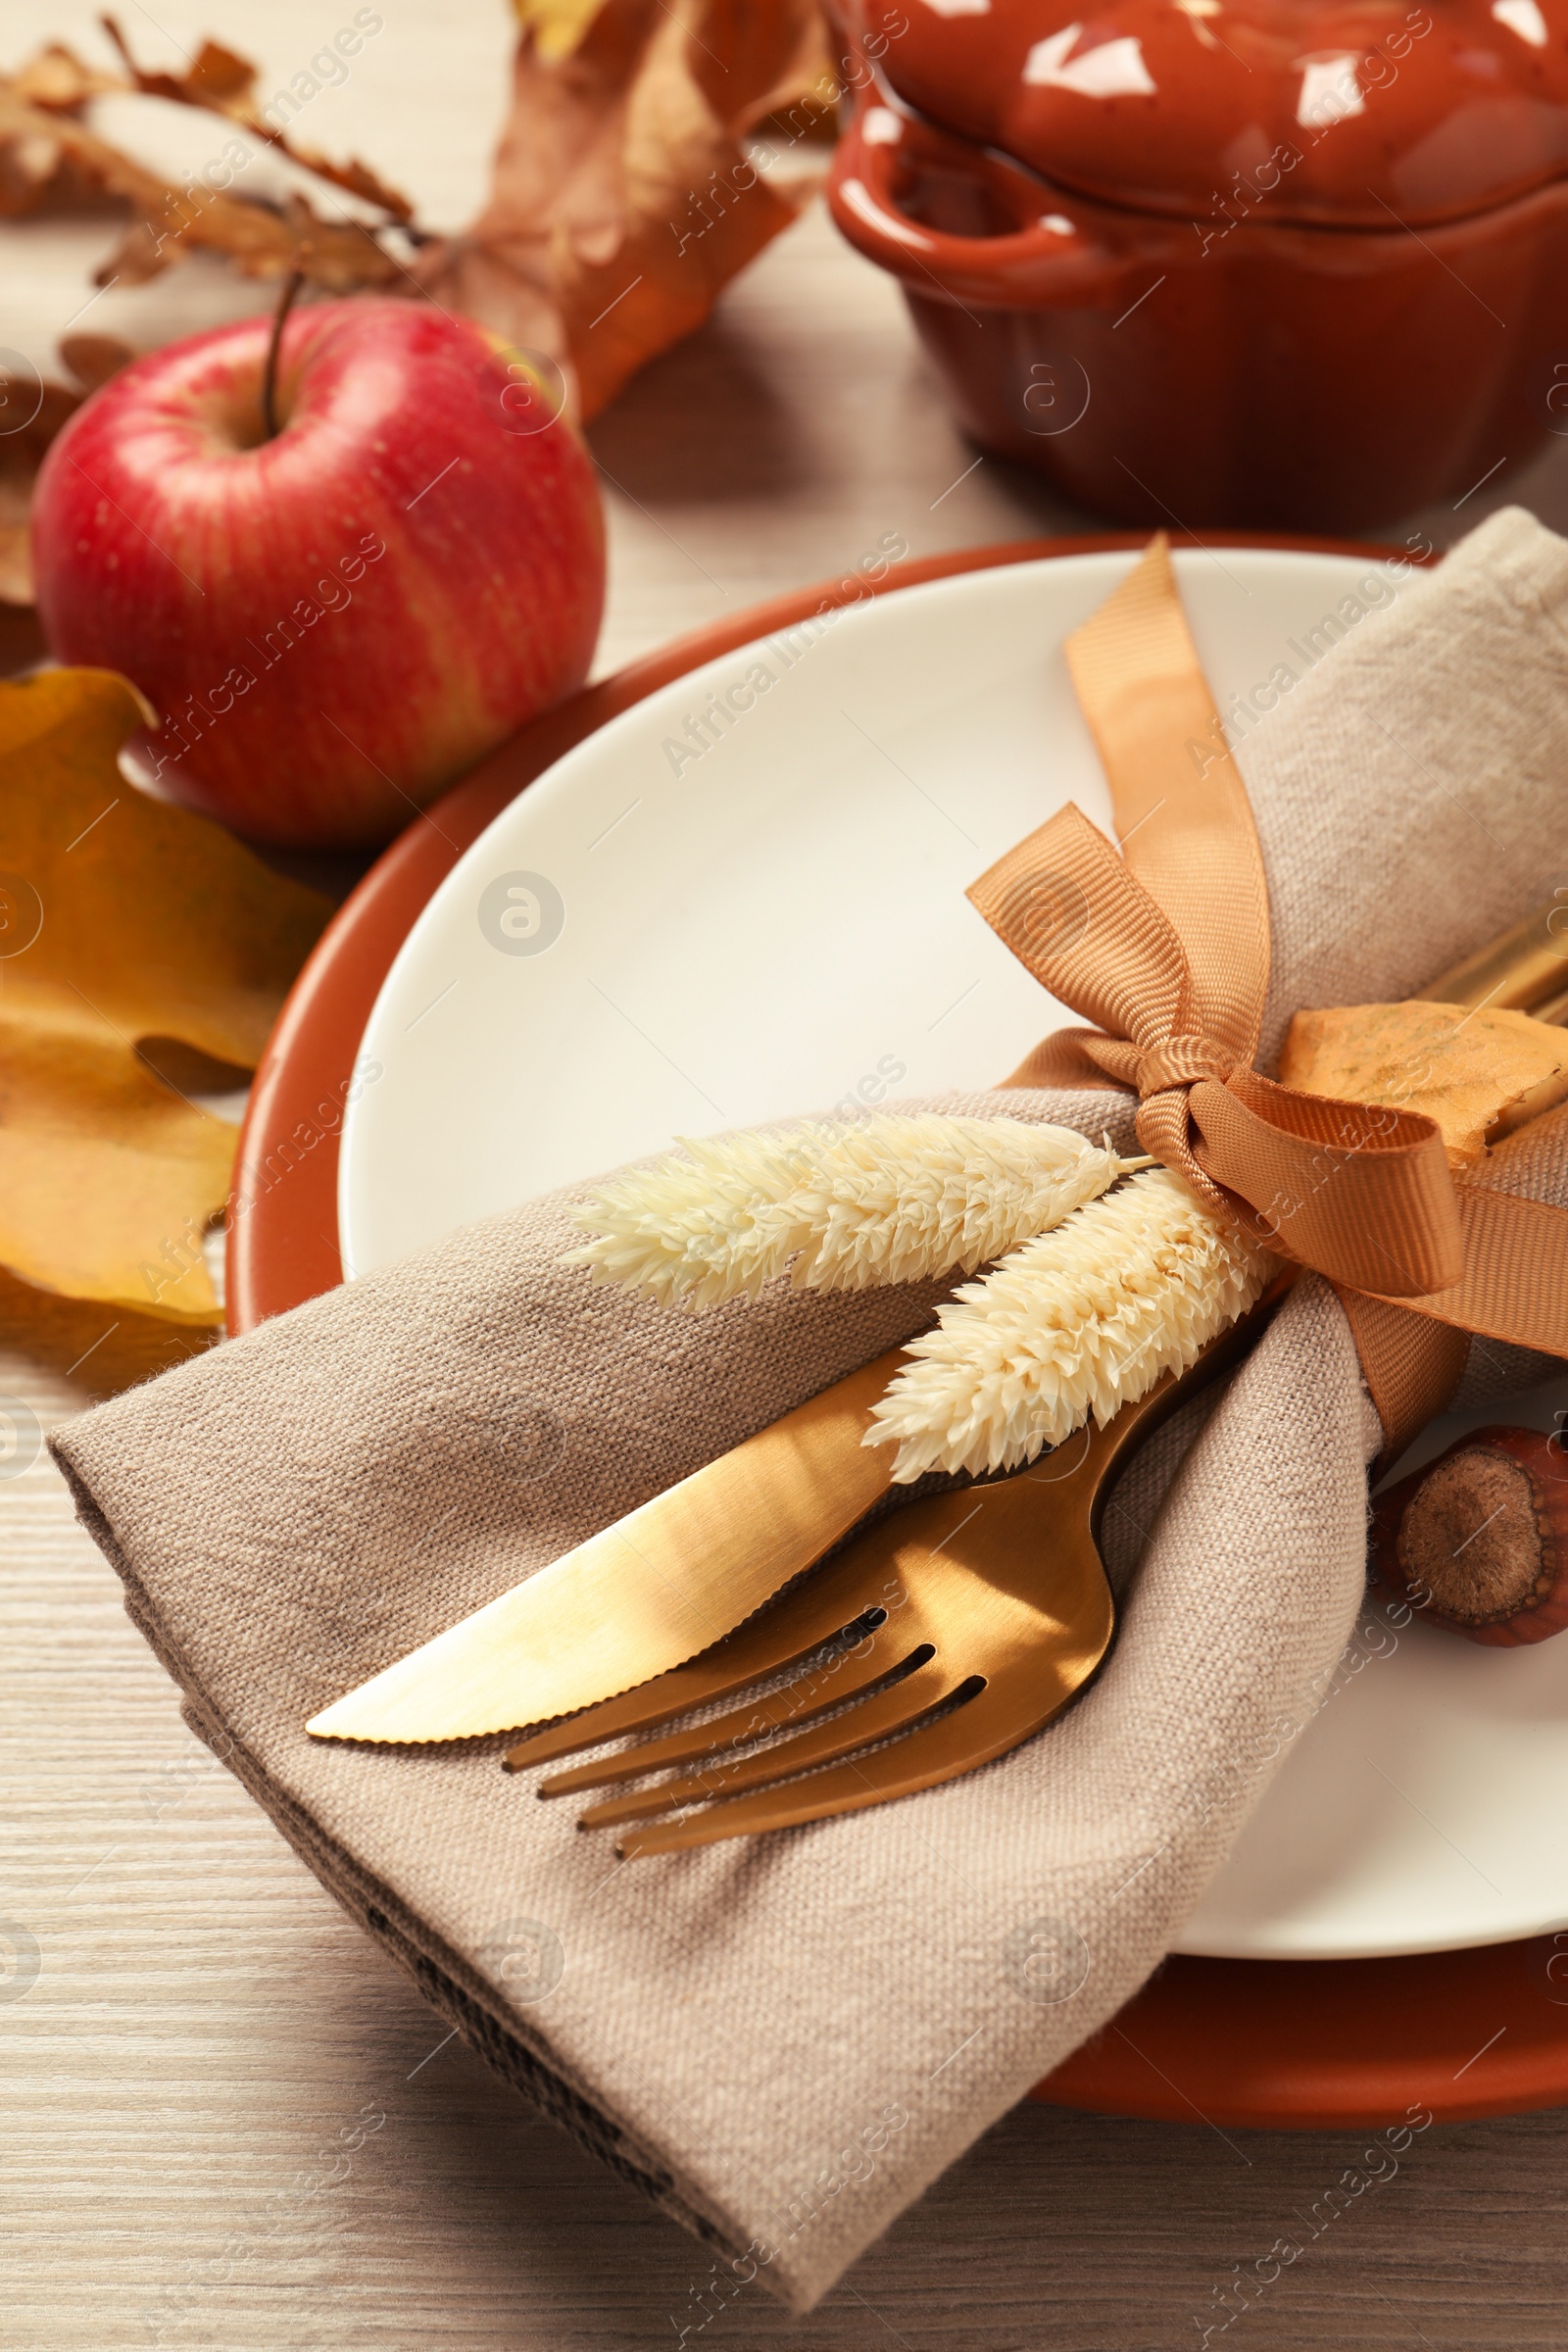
(50, 160)
(220, 82)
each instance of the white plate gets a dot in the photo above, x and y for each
(779, 924)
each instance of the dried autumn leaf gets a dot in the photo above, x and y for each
(621, 200)
(38, 173)
(70, 1337)
(222, 82)
(57, 77)
(217, 77)
(121, 918)
(93, 358)
(558, 24)
(31, 413)
(168, 221)
(1479, 1073)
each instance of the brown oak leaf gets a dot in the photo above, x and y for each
(622, 199)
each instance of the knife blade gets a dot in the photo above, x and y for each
(646, 1594)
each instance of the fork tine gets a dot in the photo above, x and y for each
(781, 1635)
(1032, 1624)
(895, 1709)
(850, 1676)
(968, 1735)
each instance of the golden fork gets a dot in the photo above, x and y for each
(968, 1621)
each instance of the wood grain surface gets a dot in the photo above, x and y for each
(227, 2123)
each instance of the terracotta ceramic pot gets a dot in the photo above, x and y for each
(1275, 265)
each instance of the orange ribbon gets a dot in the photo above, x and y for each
(1165, 947)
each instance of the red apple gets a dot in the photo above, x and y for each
(333, 622)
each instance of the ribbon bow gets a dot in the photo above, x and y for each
(1166, 948)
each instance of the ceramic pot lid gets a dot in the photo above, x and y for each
(1356, 112)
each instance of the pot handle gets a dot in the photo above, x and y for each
(1051, 259)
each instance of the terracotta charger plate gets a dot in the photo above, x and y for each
(1293, 2042)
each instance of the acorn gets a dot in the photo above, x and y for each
(1478, 1539)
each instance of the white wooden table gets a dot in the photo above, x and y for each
(203, 2020)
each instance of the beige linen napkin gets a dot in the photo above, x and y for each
(782, 2042)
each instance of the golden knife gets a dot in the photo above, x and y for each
(648, 1592)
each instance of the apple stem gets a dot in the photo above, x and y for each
(285, 303)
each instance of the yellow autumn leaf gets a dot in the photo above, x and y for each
(1479, 1072)
(121, 918)
(558, 26)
